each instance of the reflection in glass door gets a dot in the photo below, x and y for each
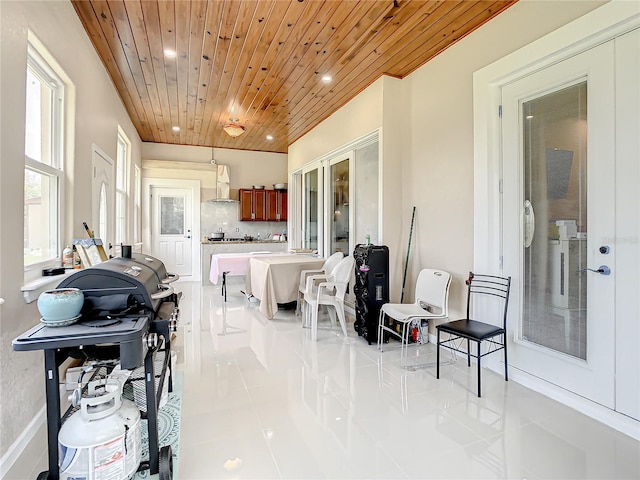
(310, 209)
(555, 220)
(339, 207)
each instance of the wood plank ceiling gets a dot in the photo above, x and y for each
(262, 61)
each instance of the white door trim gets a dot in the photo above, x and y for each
(194, 185)
(603, 24)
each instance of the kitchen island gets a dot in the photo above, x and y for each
(209, 248)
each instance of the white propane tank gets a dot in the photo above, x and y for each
(103, 439)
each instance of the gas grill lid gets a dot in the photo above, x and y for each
(141, 279)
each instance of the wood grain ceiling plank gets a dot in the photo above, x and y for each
(151, 18)
(339, 27)
(291, 50)
(183, 22)
(134, 106)
(167, 21)
(197, 27)
(213, 21)
(223, 43)
(261, 34)
(230, 60)
(133, 40)
(367, 66)
(356, 74)
(126, 59)
(279, 48)
(226, 103)
(306, 36)
(355, 41)
(449, 31)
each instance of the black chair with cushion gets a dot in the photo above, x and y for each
(479, 287)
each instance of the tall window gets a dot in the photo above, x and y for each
(137, 204)
(122, 162)
(43, 163)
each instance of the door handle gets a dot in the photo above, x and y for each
(529, 223)
(602, 270)
(187, 236)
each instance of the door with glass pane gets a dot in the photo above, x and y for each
(338, 202)
(558, 210)
(171, 233)
(310, 209)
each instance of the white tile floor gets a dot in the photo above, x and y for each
(261, 401)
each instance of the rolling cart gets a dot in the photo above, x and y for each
(134, 340)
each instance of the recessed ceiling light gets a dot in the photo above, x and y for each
(327, 78)
(175, 129)
(269, 137)
(169, 53)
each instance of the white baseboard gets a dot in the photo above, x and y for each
(28, 434)
(611, 418)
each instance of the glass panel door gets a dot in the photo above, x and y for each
(339, 206)
(555, 192)
(310, 209)
(558, 146)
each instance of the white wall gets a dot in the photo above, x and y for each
(246, 168)
(427, 140)
(98, 112)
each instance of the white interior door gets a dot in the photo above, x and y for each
(102, 196)
(171, 229)
(559, 219)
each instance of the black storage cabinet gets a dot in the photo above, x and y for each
(371, 288)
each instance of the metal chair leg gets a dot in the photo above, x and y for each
(479, 357)
(438, 355)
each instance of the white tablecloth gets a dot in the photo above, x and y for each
(275, 279)
(234, 263)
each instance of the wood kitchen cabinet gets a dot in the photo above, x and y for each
(276, 201)
(252, 204)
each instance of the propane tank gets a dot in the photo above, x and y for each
(103, 438)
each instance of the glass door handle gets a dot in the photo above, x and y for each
(529, 223)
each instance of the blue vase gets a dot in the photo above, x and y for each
(60, 304)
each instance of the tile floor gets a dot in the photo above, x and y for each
(261, 401)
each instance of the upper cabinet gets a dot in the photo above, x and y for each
(276, 205)
(263, 205)
(252, 205)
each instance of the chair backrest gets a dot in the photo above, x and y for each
(432, 289)
(331, 262)
(342, 275)
(489, 286)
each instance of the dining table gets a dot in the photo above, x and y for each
(224, 264)
(275, 279)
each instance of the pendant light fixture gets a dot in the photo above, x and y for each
(234, 129)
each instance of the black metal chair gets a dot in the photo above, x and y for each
(472, 330)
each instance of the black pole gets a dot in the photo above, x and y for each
(406, 263)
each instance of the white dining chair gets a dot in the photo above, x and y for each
(431, 303)
(330, 293)
(318, 274)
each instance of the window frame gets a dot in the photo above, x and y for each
(122, 187)
(48, 73)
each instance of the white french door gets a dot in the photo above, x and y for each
(171, 230)
(558, 211)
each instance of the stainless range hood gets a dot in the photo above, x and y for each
(222, 183)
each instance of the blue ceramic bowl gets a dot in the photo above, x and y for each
(60, 304)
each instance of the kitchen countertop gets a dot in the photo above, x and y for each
(227, 242)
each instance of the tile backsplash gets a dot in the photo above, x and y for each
(225, 215)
